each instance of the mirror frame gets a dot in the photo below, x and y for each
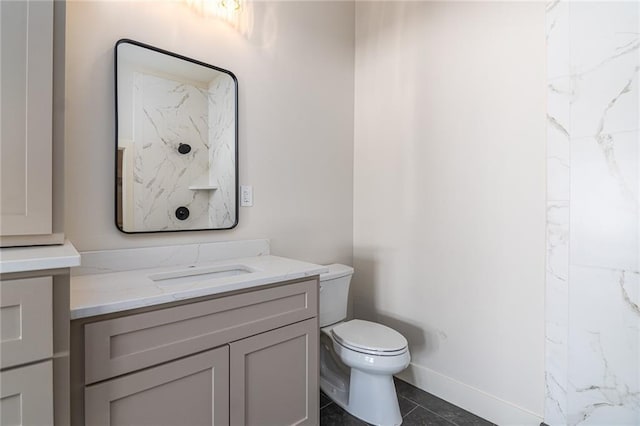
(115, 176)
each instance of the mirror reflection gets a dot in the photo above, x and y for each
(176, 165)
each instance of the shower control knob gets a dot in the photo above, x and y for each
(182, 213)
(184, 148)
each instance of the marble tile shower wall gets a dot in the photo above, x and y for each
(222, 152)
(593, 232)
(171, 112)
(168, 113)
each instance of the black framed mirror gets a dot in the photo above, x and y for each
(176, 142)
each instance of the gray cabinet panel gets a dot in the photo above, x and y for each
(122, 345)
(274, 377)
(26, 67)
(26, 395)
(26, 331)
(34, 327)
(190, 391)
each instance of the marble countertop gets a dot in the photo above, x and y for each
(37, 258)
(97, 294)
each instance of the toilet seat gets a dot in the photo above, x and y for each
(369, 338)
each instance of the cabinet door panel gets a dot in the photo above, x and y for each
(274, 377)
(26, 395)
(26, 75)
(189, 391)
(26, 332)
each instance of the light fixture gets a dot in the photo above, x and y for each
(228, 10)
(237, 13)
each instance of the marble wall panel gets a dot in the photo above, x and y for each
(557, 37)
(604, 201)
(604, 345)
(556, 313)
(593, 224)
(559, 94)
(604, 42)
(559, 97)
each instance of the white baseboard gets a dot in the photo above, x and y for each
(478, 402)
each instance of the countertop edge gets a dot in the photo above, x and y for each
(122, 306)
(26, 259)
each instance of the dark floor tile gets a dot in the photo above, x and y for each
(406, 406)
(423, 398)
(423, 417)
(333, 415)
(324, 400)
(439, 406)
(469, 419)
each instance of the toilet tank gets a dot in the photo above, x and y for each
(334, 294)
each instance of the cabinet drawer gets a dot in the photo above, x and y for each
(26, 396)
(122, 345)
(26, 330)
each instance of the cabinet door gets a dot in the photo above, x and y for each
(26, 75)
(26, 395)
(274, 377)
(189, 391)
(26, 332)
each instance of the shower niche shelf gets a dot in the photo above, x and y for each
(203, 187)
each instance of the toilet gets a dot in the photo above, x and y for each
(358, 358)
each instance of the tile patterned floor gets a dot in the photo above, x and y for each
(416, 406)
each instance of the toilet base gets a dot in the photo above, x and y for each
(369, 397)
(375, 403)
(373, 399)
(334, 382)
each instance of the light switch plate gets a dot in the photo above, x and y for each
(246, 196)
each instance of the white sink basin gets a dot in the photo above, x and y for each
(194, 274)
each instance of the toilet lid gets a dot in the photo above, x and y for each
(369, 337)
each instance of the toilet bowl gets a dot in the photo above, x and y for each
(358, 358)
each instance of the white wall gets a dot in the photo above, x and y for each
(448, 190)
(449, 198)
(295, 72)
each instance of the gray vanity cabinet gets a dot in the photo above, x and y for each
(189, 391)
(34, 348)
(246, 358)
